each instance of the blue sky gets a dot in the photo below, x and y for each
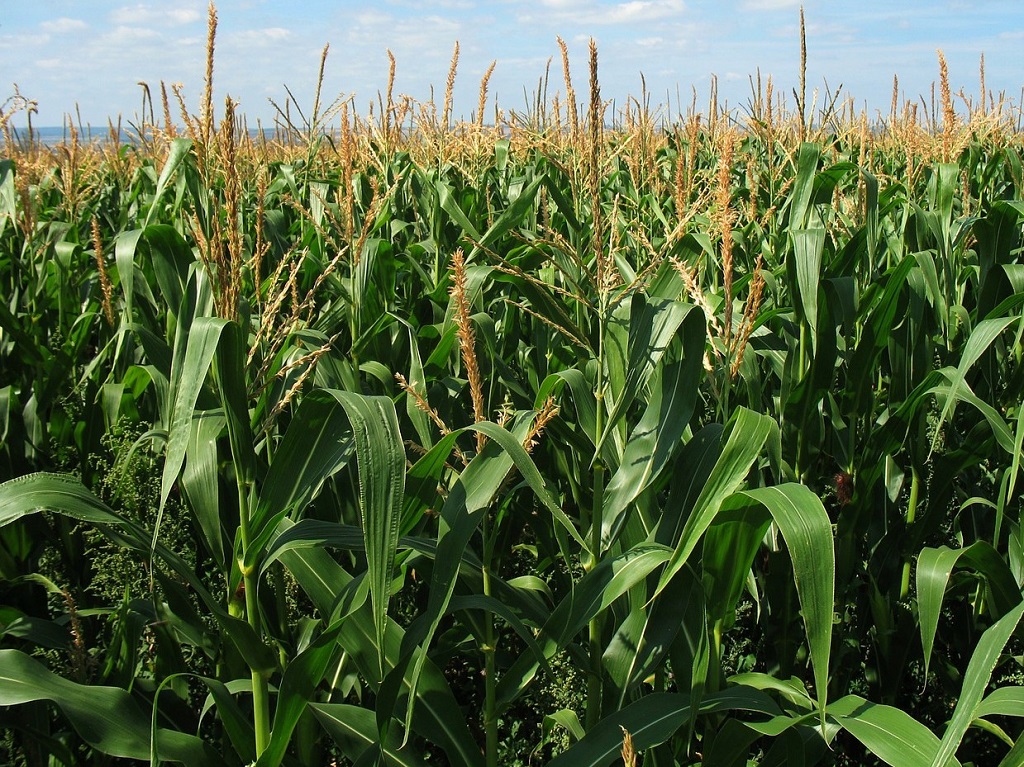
(93, 53)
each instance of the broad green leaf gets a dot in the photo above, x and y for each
(746, 435)
(1005, 701)
(808, 245)
(976, 679)
(107, 718)
(981, 338)
(934, 566)
(34, 493)
(1015, 757)
(800, 202)
(125, 248)
(301, 678)
(317, 444)
(436, 715)
(644, 638)
(651, 721)
(511, 217)
(68, 497)
(805, 526)
(354, 729)
(657, 436)
(462, 513)
(187, 378)
(594, 593)
(892, 735)
(451, 206)
(237, 724)
(380, 456)
(633, 356)
(179, 150)
(230, 374)
(199, 480)
(729, 548)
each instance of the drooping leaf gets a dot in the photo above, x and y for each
(107, 718)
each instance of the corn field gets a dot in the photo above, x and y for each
(560, 436)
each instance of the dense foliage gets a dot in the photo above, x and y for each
(580, 439)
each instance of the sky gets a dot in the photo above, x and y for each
(87, 57)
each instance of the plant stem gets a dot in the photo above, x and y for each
(490, 670)
(593, 712)
(595, 626)
(714, 677)
(915, 489)
(260, 686)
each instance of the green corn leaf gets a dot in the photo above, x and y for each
(892, 735)
(805, 526)
(597, 590)
(67, 496)
(656, 438)
(1005, 701)
(179, 150)
(633, 355)
(436, 714)
(318, 444)
(199, 481)
(125, 248)
(808, 245)
(934, 566)
(451, 206)
(1015, 757)
(301, 678)
(513, 216)
(187, 378)
(981, 338)
(381, 460)
(652, 720)
(644, 638)
(746, 435)
(8, 193)
(229, 369)
(107, 718)
(34, 493)
(462, 513)
(582, 397)
(729, 548)
(237, 724)
(354, 729)
(800, 202)
(690, 472)
(171, 257)
(979, 673)
(731, 745)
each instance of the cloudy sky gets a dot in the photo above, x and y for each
(93, 53)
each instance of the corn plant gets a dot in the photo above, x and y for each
(565, 441)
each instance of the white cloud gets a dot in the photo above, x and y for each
(63, 25)
(576, 12)
(143, 14)
(770, 5)
(125, 35)
(268, 36)
(24, 42)
(642, 10)
(421, 5)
